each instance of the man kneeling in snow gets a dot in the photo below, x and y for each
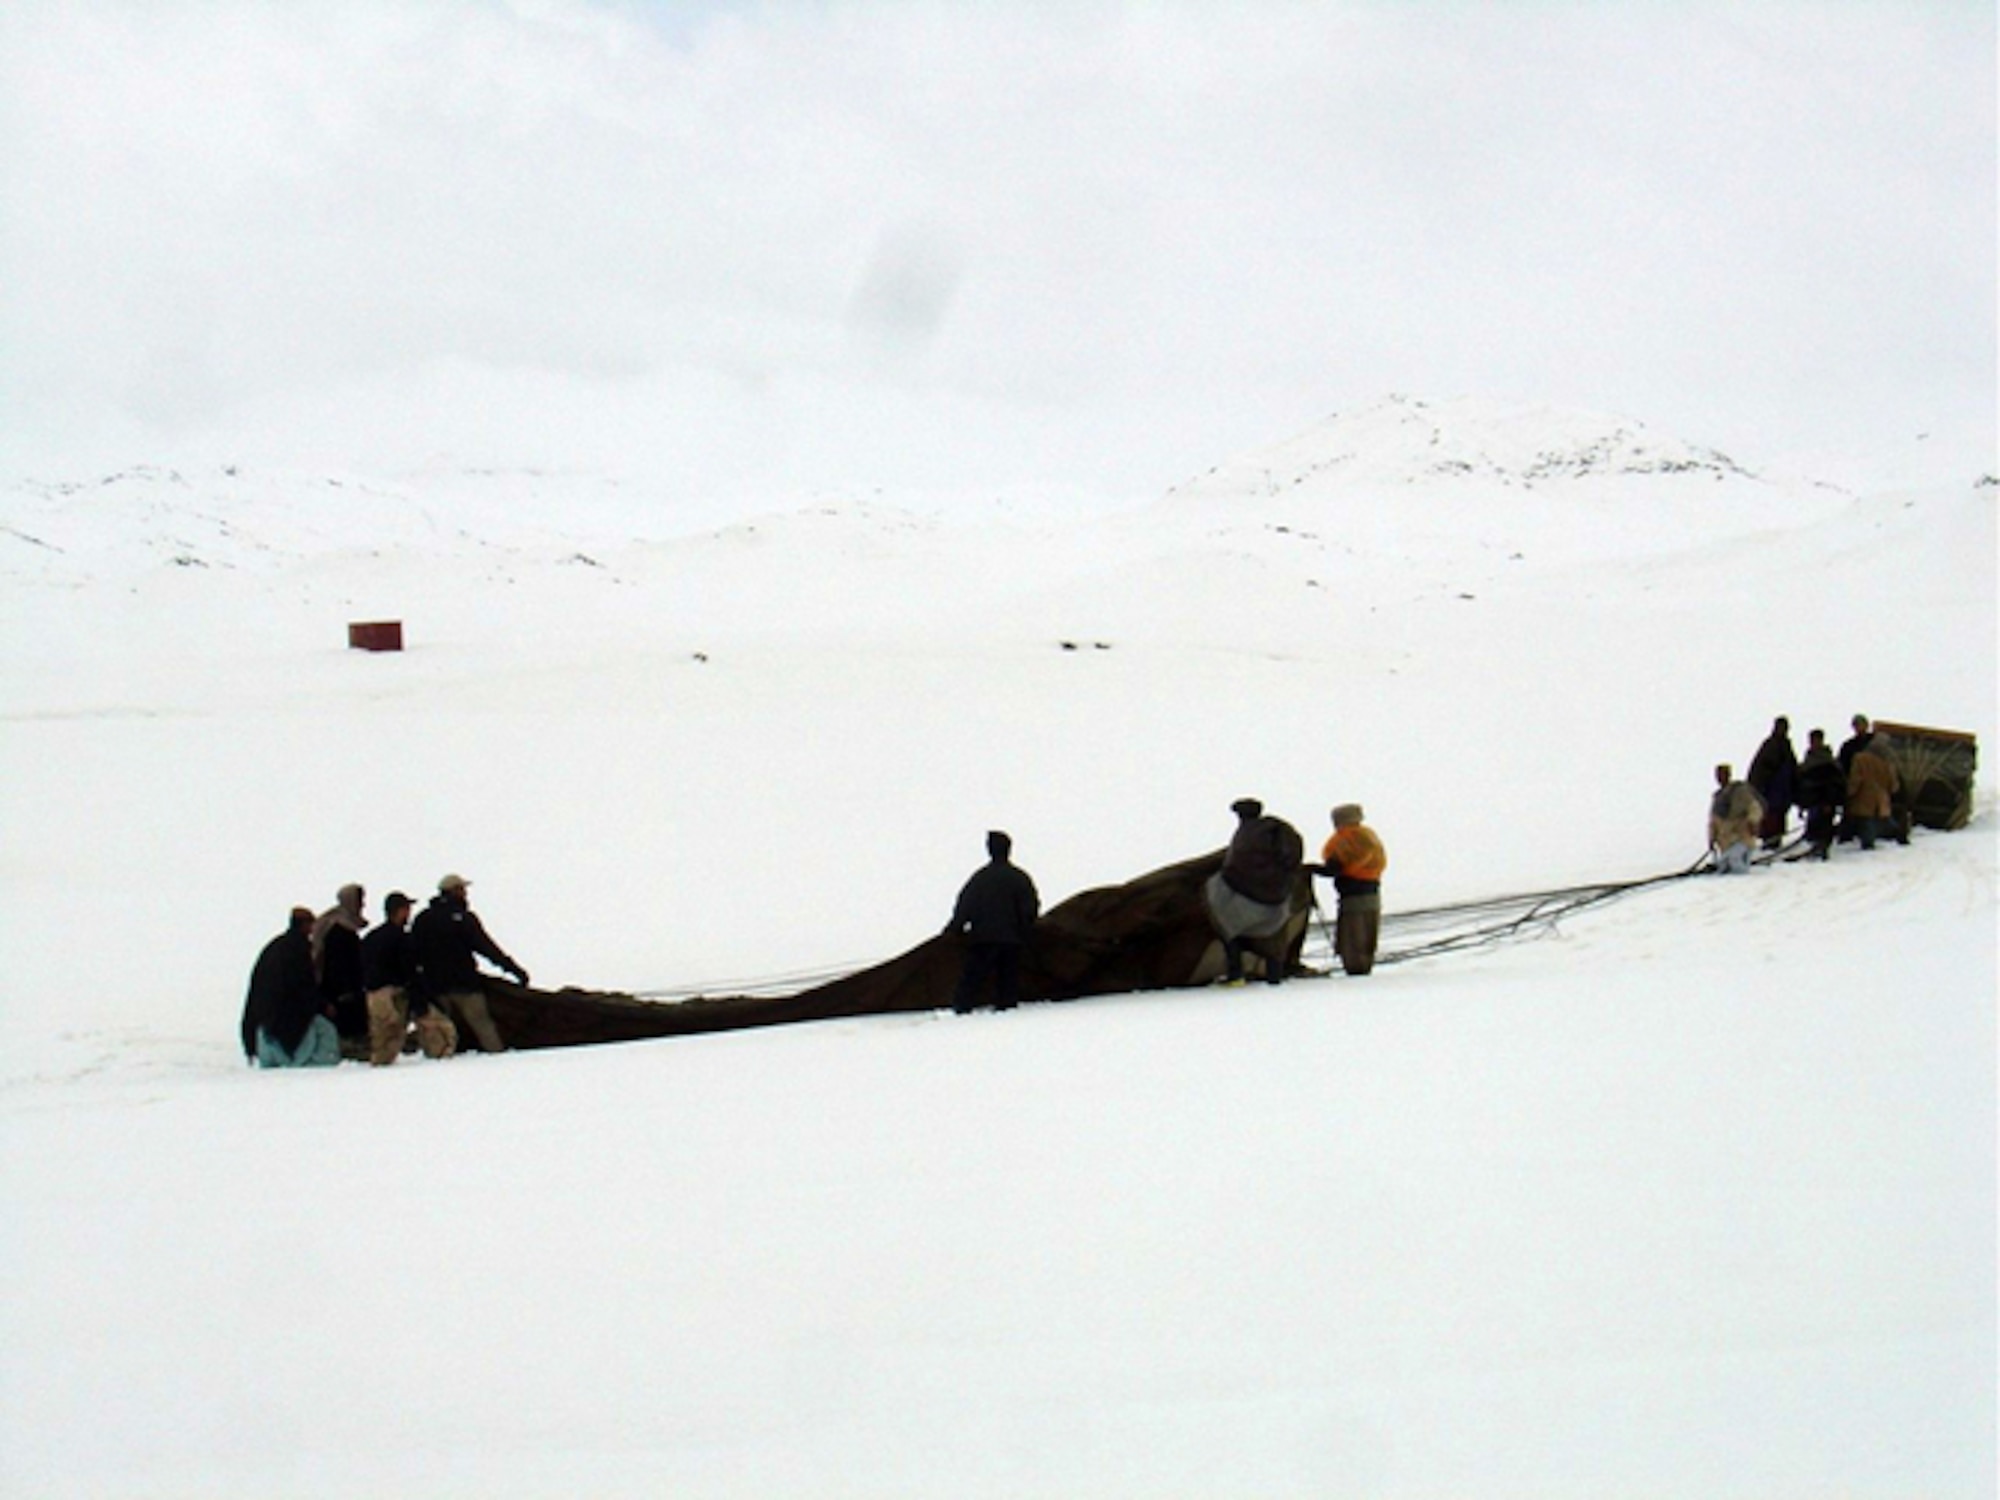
(448, 939)
(284, 1022)
(388, 964)
(1734, 814)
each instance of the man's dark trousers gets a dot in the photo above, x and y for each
(1000, 962)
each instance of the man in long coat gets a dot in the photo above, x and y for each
(996, 912)
(1872, 785)
(1774, 773)
(1250, 897)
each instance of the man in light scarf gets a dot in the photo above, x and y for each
(336, 957)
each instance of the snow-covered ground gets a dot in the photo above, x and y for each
(1693, 1196)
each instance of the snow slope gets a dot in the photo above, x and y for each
(1694, 1195)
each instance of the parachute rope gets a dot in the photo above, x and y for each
(1432, 931)
(1422, 932)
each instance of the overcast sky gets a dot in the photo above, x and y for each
(768, 246)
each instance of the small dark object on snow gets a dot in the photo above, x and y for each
(375, 635)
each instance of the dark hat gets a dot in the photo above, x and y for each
(998, 842)
(1247, 807)
(395, 899)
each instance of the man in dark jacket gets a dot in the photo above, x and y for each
(389, 975)
(1773, 775)
(449, 938)
(1822, 791)
(1251, 895)
(1855, 743)
(284, 1025)
(996, 912)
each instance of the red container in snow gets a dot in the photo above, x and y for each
(377, 635)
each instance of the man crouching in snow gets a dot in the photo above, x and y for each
(449, 938)
(1734, 813)
(388, 962)
(284, 1022)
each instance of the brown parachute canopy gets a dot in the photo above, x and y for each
(1149, 934)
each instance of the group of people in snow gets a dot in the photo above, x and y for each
(1251, 903)
(329, 986)
(1841, 795)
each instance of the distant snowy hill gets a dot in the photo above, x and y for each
(256, 521)
(1459, 481)
(1405, 441)
(1468, 484)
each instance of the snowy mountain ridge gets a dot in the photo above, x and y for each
(1466, 465)
(1403, 440)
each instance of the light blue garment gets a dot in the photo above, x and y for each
(1735, 860)
(318, 1048)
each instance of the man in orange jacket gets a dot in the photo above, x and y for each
(1354, 860)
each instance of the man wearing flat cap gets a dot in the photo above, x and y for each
(449, 938)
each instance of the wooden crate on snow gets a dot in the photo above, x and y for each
(1936, 768)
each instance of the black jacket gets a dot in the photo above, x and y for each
(387, 958)
(1820, 781)
(283, 996)
(446, 939)
(1774, 770)
(998, 904)
(340, 963)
